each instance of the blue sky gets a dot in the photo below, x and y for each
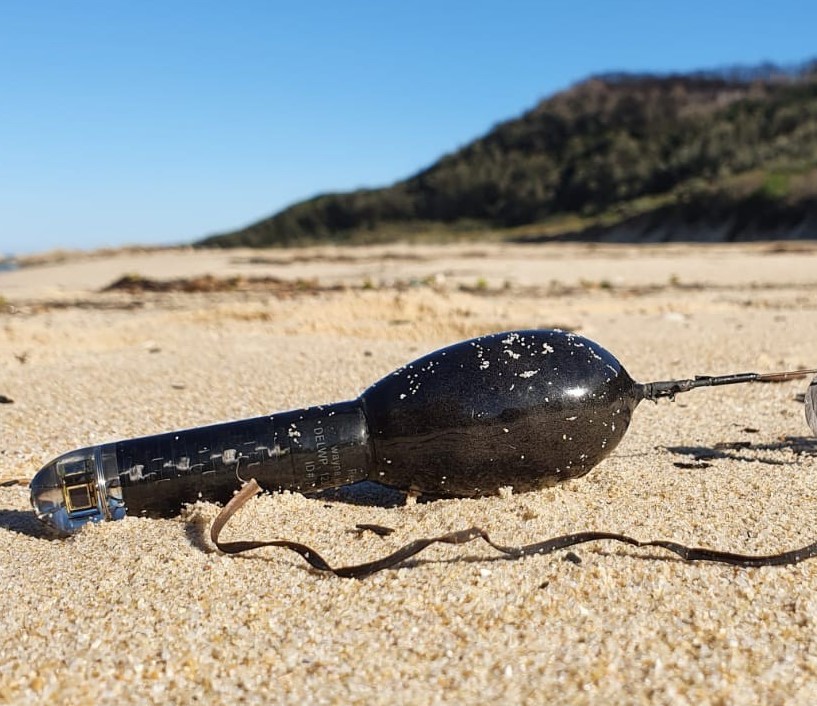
(162, 121)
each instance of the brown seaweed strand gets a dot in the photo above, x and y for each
(548, 546)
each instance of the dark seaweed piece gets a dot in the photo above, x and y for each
(359, 571)
(379, 530)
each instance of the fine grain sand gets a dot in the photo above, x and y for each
(146, 611)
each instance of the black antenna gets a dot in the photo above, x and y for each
(670, 388)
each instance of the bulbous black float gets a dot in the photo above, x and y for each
(525, 409)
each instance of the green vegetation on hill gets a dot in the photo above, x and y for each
(616, 157)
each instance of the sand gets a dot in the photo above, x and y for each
(146, 611)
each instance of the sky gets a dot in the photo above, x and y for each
(164, 121)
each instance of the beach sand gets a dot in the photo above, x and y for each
(146, 611)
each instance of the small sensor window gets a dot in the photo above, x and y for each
(79, 497)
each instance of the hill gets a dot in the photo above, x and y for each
(705, 156)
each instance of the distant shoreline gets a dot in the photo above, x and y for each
(59, 255)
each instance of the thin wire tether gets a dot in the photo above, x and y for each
(670, 388)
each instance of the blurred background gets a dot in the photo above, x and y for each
(161, 123)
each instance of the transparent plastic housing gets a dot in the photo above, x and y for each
(78, 487)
